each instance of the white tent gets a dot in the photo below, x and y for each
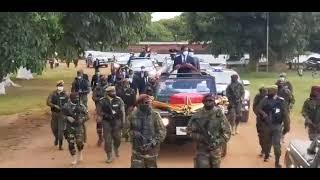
(23, 73)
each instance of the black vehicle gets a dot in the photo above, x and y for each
(303, 154)
(312, 64)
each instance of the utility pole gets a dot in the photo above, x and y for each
(267, 15)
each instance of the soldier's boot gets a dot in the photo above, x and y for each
(277, 164)
(266, 157)
(74, 160)
(100, 141)
(56, 142)
(79, 156)
(261, 153)
(109, 158)
(60, 144)
(116, 152)
(232, 131)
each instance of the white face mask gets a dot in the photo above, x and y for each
(60, 88)
(282, 79)
(191, 53)
(185, 53)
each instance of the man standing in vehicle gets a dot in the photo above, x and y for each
(235, 95)
(56, 101)
(210, 129)
(147, 131)
(184, 63)
(274, 113)
(311, 113)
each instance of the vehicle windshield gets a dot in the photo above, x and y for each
(172, 86)
(223, 77)
(143, 62)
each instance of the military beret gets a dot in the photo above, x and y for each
(110, 88)
(315, 89)
(60, 83)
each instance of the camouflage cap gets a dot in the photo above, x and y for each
(110, 88)
(60, 83)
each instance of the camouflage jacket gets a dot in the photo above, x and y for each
(149, 125)
(235, 92)
(213, 121)
(311, 112)
(257, 99)
(287, 95)
(77, 111)
(287, 84)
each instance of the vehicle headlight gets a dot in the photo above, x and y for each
(165, 121)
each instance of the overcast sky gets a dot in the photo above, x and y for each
(164, 15)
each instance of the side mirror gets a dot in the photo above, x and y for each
(245, 82)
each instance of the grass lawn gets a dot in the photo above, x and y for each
(33, 93)
(301, 87)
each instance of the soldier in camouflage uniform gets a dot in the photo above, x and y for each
(111, 109)
(235, 94)
(257, 99)
(98, 93)
(311, 113)
(56, 100)
(210, 129)
(282, 77)
(147, 131)
(76, 115)
(129, 99)
(286, 94)
(274, 114)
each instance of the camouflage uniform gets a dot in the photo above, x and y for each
(275, 115)
(257, 99)
(150, 126)
(113, 117)
(57, 122)
(208, 153)
(129, 99)
(235, 93)
(287, 84)
(311, 113)
(98, 93)
(74, 132)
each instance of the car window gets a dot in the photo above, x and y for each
(139, 63)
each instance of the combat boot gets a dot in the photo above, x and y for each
(74, 160)
(266, 157)
(60, 144)
(79, 156)
(109, 158)
(116, 152)
(277, 164)
(56, 142)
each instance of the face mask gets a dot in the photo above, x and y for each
(79, 77)
(142, 70)
(282, 79)
(185, 53)
(60, 88)
(191, 53)
(145, 107)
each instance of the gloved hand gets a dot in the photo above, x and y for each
(70, 119)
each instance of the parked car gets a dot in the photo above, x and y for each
(223, 79)
(312, 63)
(91, 60)
(238, 60)
(150, 66)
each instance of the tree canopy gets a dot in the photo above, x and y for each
(30, 38)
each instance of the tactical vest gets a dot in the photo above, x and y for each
(112, 107)
(128, 100)
(274, 111)
(58, 99)
(285, 94)
(315, 114)
(145, 124)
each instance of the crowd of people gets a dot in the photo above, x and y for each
(120, 114)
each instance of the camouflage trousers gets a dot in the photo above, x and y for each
(57, 126)
(111, 135)
(259, 127)
(210, 159)
(99, 125)
(75, 138)
(272, 137)
(84, 100)
(313, 132)
(234, 114)
(143, 161)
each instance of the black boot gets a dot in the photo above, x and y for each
(56, 142)
(266, 158)
(60, 144)
(277, 164)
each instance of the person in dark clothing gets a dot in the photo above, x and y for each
(112, 78)
(196, 59)
(184, 63)
(173, 53)
(140, 80)
(146, 52)
(95, 79)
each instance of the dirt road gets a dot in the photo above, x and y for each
(26, 141)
